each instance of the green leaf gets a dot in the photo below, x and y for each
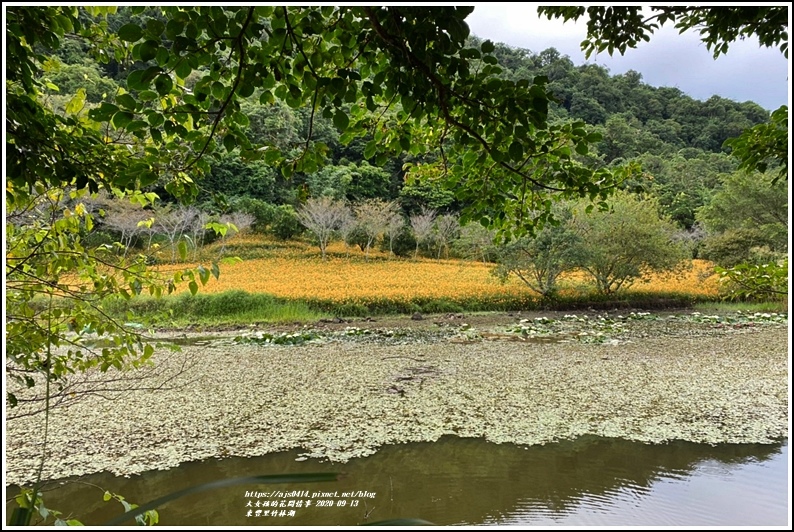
(103, 113)
(516, 151)
(140, 79)
(216, 272)
(240, 119)
(204, 275)
(230, 142)
(130, 32)
(155, 119)
(136, 125)
(369, 150)
(487, 47)
(162, 56)
(173, 28)
(163, 84)
(147, 178)
(126, 101)
(182, 247)
(193, 287)
(154, 27)
(77, 102)
(122, 118)
(148, 50)
(341, 120)
(183, 69)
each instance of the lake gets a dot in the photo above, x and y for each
(457, 481)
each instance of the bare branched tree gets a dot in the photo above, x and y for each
(323, 217)
(197, 228)
(126, 217)
(422, 226)
(173, 222)
(394, 224)
(445, 231)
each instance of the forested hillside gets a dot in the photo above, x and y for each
(678, 140)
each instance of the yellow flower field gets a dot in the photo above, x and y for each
(296, 271)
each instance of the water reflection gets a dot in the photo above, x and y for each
(590, 481)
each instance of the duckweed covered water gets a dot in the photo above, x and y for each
(295, 398)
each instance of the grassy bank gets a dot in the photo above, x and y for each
(240, 307)
(232, 307)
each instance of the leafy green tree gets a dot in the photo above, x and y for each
(763, 144)
(231, 176)
(418, 194)
(71, 77)
(735, 246)
(351, 181)
(747, 213)
(683, 182)
(330, 181)
(625, 243)
(746, 201)
(368, 182)
(625, 137)
(540, 259)
(286, 225)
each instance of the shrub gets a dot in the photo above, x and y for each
(286, 224)
(441, 306)
(357, 236)
(759, 282)
(403, 245)
(539, 260)
(732, 247)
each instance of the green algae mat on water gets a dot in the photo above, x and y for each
(343, 393)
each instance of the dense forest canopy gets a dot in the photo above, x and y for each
(632, 118)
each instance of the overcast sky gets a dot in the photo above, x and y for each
(746, 72)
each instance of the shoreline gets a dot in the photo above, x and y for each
(344, 399)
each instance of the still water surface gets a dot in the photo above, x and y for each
(588, 482)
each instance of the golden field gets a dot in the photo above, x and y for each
(295, 270)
